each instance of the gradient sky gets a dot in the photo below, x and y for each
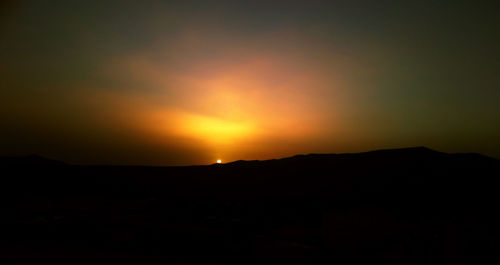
(189, 82)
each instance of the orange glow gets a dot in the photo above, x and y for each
(240, 105)
(213, 130)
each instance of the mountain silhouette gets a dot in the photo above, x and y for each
(29, 160)
(398, 206)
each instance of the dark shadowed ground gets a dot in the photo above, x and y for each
(404, 206)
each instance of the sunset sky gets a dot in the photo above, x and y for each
(190, 82)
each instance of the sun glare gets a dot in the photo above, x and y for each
(214, 130)
(219, 161)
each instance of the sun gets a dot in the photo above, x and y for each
(219, 161)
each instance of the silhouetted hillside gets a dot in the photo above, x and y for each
(28, 161)
(402, 206)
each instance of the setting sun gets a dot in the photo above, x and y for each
(333, 118)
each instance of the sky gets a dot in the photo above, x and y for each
(189, 82)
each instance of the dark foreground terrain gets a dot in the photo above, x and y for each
(404, 206)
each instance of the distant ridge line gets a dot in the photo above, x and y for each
(37, 160)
